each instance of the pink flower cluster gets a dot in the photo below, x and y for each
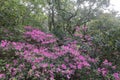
(39, 36)
(2, 76)
(116, 76)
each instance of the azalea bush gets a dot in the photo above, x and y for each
(40, 57)
(106, 34)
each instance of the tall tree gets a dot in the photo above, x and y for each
(65, 14)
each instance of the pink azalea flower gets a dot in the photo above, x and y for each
(2, 76)
(116, 76)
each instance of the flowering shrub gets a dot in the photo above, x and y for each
(39, 57)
